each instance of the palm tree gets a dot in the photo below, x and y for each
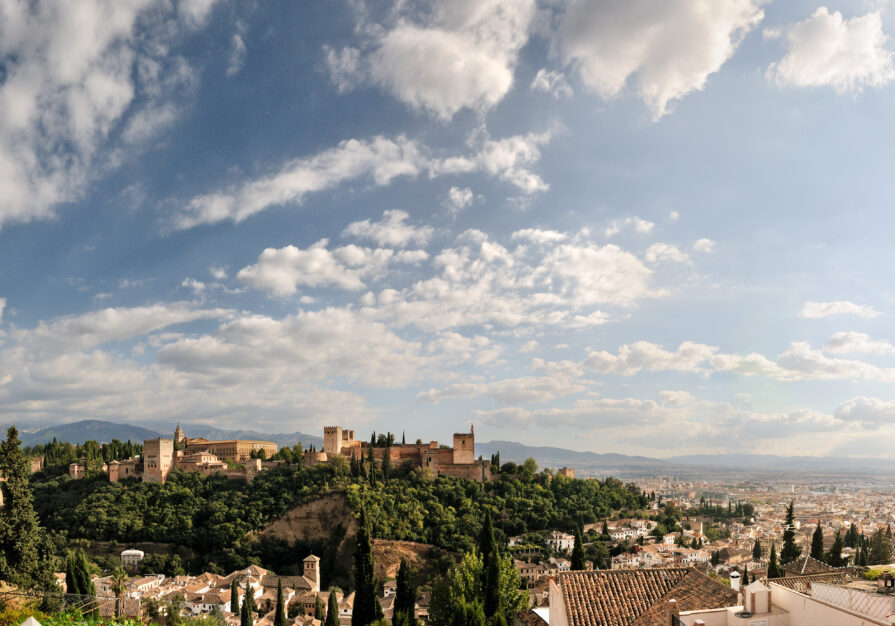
(119, 586)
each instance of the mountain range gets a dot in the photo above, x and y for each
(588, 463)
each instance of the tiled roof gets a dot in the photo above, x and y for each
(806, 565)
(529, 618)
(637, 597)
(802, 584)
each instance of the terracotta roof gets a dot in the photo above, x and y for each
(806, 565)
(637, 597)
(529, 618)
(802, 584)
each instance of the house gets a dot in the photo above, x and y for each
(560, 542)
(131, 558)
(639, 597)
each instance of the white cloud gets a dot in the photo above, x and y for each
(75, 72)
(197, 286)
(379, 159)
(673, 216)
(344, 67)
(857, 343)
(283, 270)
(237, 55)
(706, 246)
(539, 235)
(523, 390)
(664, 50)
(665, 252)
(642, 355)
(393, 230)
(459, 198)
(529, 346)
(640, 225)
(869, 411)
(828, 50)
(816, 310)
(462, 57)
(218, 273)
(553, 83)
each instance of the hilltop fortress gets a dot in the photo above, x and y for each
(437, 460)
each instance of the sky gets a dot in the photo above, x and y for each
(631, 226)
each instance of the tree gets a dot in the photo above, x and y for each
(405, 596)
(174, 611)
(834, 558)
(366, 605)
(25, 555)
(463, 583)
(332, 609)
(605, 530)
(529, 468)
(756, 550)
(880, 548)
(817, 543)
(318, 608)
(234, 597)
(790, 551)
(490, 567)
(578, 551)
(386, 459)
(774, 570)
(279, 618)
(247, 617)
(119, 586)
(468, 613)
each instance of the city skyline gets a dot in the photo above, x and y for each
(550, 219)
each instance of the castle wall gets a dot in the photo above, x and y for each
(158, 460)
(478, 471)
(464, 448)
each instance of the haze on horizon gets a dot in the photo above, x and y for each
(604, 226)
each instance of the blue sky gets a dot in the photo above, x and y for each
(635, 227)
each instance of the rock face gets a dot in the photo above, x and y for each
(314, 521)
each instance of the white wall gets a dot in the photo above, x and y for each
(805, 611)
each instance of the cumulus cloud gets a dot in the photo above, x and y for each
(827, 50)
(706, 246)
(237, 54)
(392, 230)
(379, 160)
(857, 343)
(630, 359)
(523, 390)
(283, 270)
(869, 411)
(459, 198)
(665, 252)
(664, 51)
(553, 83)
(538, 235)
(640, 225)
(817, 310)
(344, 66)
(73, 74)
(2, 307)
(462, 55)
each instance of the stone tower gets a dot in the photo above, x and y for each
(158, 460)
(312, 571)
(178, 435)
(332, 440)
(464, 448)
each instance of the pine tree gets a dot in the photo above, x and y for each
(405, 596)
(790, 551)
(332, 610)
(25, 559)
(234, 597)
(834, 557)
(279, 618)
(318, 608)
(366, 606)
(578, 551)
(880, 548)
(774, 570)
(817, 543)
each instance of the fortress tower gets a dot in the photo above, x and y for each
(332, 440)
(158, 459)
(178, 435)
(312, 571)
(464, 448)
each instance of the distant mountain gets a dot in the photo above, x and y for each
(774, 463)
(591, 462)
(79, 432)
(213, 433)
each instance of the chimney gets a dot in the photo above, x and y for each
(735, 580)
(671, 611)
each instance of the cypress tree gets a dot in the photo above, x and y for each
(279, 618)
(366, 606)
(234, 597)
(332, 610)
(774, 570)
(468, 613)
(756, 550)
(386, 458)
(405, 596)
(605, 529)
(790, 551)
(490, 566)
(817, 543)
(834, 558)
(403, 440)
(578, 551)
(25, 560)
(318, 608)
(247, 617)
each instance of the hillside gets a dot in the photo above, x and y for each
(85, 430)
(589, 463)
